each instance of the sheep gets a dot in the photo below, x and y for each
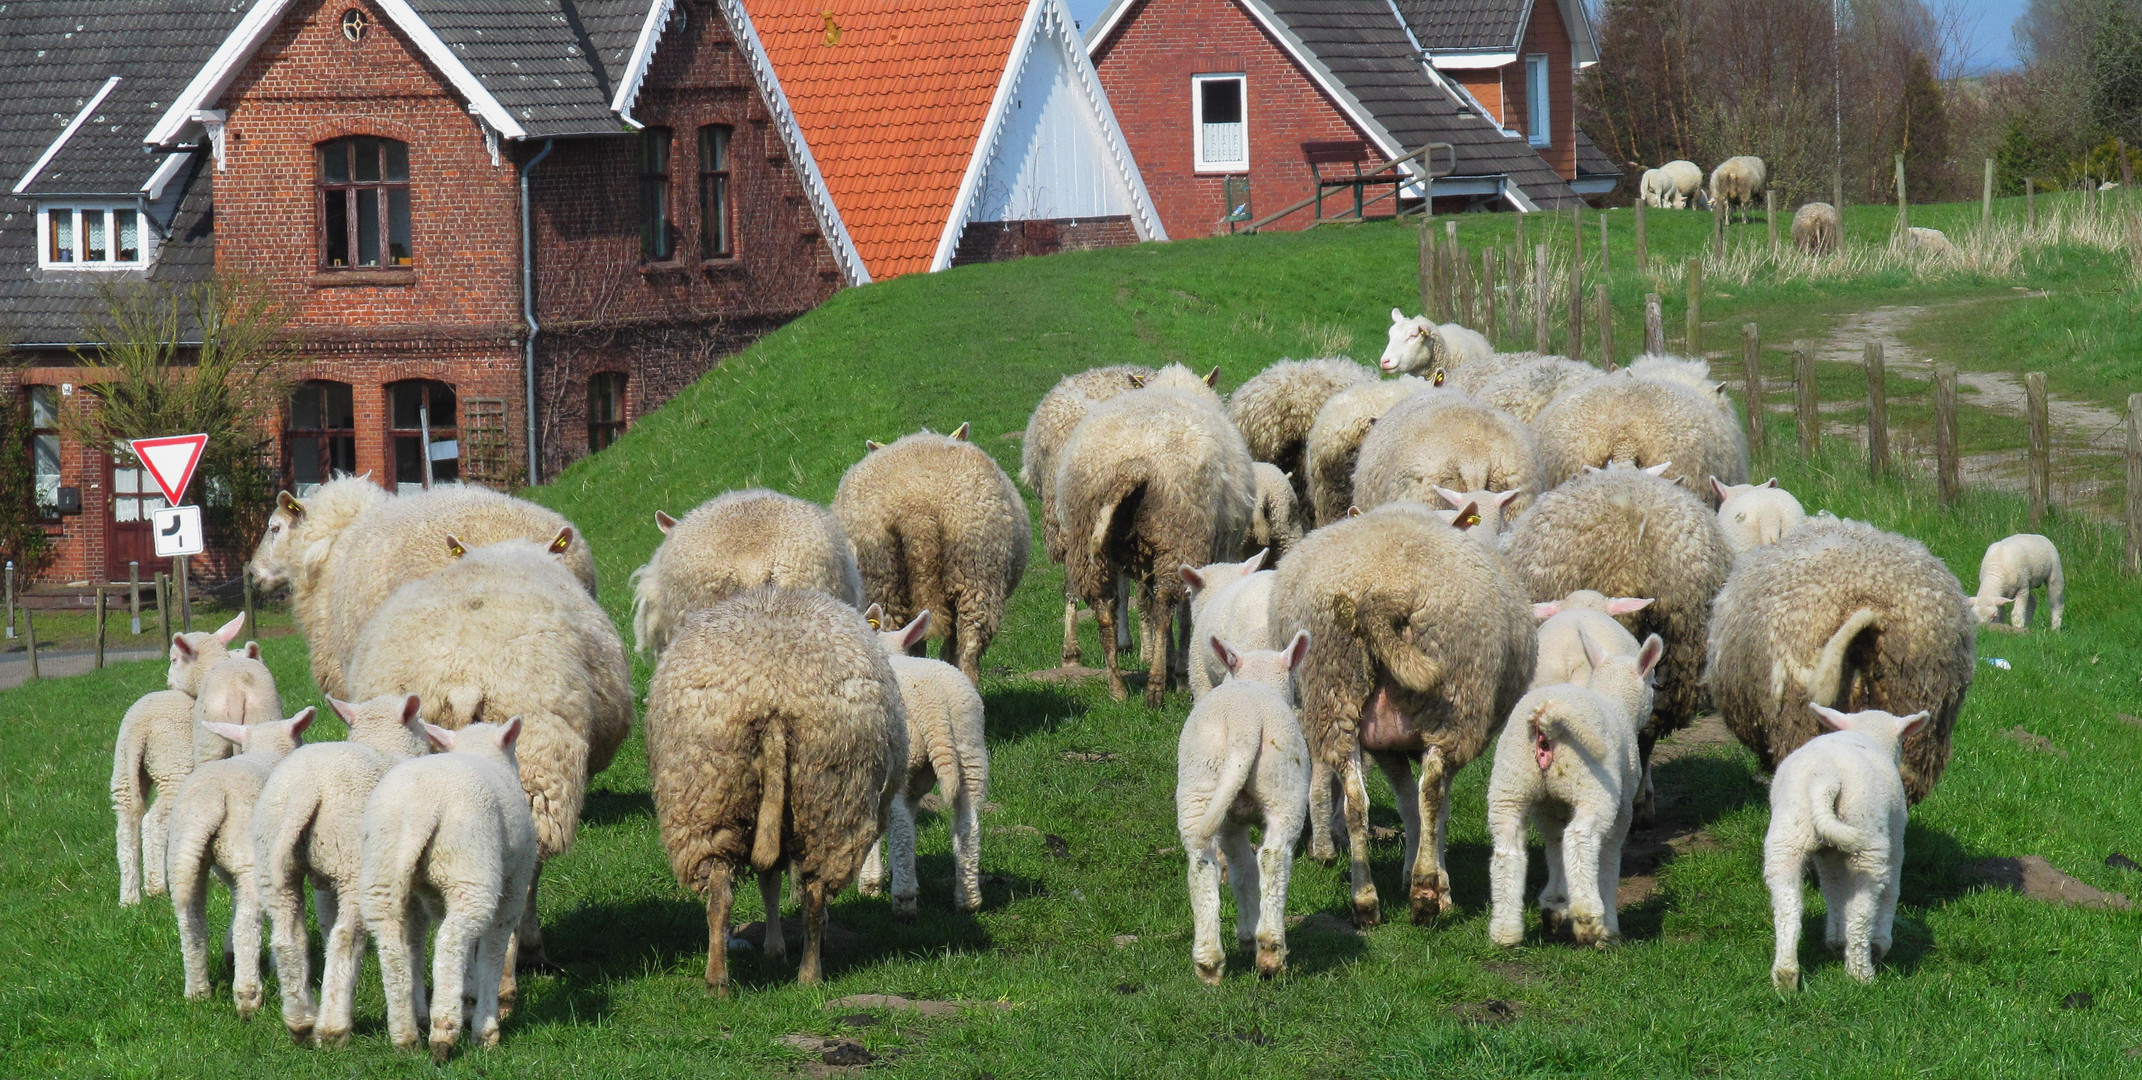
(299, 546)
(733, 542)
(2011, 568)
(1839, 798)
(1524, 388)
(238, 690)
(210, 832)
(1932, 242)
(1626, 533)
(1230, 600)
(1817, 228)
(448, 835)
(1241, 761)
(1844, 615)
(1275, 409)
(937, 526)
(1335, 442)
(155, 746)
(1565, 623)
(1738, 182)
(1417, 345)
(1691, 372)
(1046, 431)
(307, 824)
(1657, 188)
(1276, 517)
(1568, 760)
(1480, 513)
(776, 738)
(1150, 481)
(506, 630)
(194, 653)
(946, 748)
(1423, 642)
(1445, 439)
(1641, 422)
(1756, 514)
(1687, 177)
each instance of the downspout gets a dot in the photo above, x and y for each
(528, 362)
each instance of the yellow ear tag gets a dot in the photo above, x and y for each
(1438, 377)
(455, 549)
(874, 625)
(563, 541)
(1470, 520)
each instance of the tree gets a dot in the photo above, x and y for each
(2115, 86)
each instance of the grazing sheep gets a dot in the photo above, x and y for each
(1446, 440)
(1417, 345)
(238, 690)
(195, 653)
(1687, 177)
(299, 546)
(946, 748)
(506, 630)
(155, 746)
(1335, 442)
(776, 739)
(1691, 372)
(1046, 432)
(736, 541)
(1152, 480)
(448, 835)
(1839, 798)
(1526, 387)
(211, 832)
(1756, 514)
(1816, 228)
(1932, 242)
(1626, 533)
(2011, 569)
(1644, 423)
(1275, 409)
(937, 526)
(1566, 623)
(1657, 188)
(308, 824)
(1423, 642)
(1568, 761)
(1276, 519)
(1232, 601)
(1241, 761)
(1738, 182)
(1846, 616)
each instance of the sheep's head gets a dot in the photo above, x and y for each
(1412, 344)
(1987, 608)
(1883, 728)
(1273, 669)
(1487, 508)
(276, 554)
(897, 640)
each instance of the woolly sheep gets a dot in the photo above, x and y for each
(506, 630)
(1657, 188)
(1276, 407)
(308, 824)
(2012, 567)
(1816, 228)
(1046, 431)
(1335, 442)
(1738, 182)
(1417, 345)
(1241, 761)
(946, 748)
(155, 747)
(1422, 643)
(238, 690)
(733, 542)
(1523, 389)
(1644, 423)
(1839, 798)
(448, 835)
(1446, 440)
(1152, 480)
(1932, 242)
(1691, 372)
(1566, 623)
(1276, 518)
(776, 739)
(1756, 514)
(1229, 600)
(300, 544)
(1846, 616)
(1568, 761)
(937, 526)
(1687, 177)
(211, 832)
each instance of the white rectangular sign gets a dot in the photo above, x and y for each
(178, 531)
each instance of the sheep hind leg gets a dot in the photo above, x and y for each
(2056, 594)
(811, 971)
(1326, 817)
(721, 893)
(129, 811)
(1207, 955)
(1583, 849)
(1153, 624)
(1863, 903)
(283, 901)
(1243, 879)
(1110, 651)
(1430, 882)
(343, 958)
(450, 973)
(1646, 812)
(1506, 873)
(401, 946)
(245, 944)
(155, 846)
(1367, 911)
(1783, 866)
(1071, 653)
(1833, 873)
(900, 854)
(966, 849)
(1405, 791)
(1275, 865)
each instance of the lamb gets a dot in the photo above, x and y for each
(946, 747)
(1693, 373)
(238, 690)
(1687, 177)
(1839, 798)
(1046, 431)
(1640, 422)
(937, 526)
(1446, 440)
(1846, 616)
(733, 542)
(1566, 623)
(1230, 600)
(1151, 480)
(1481, 513)
(2010, 570)
(299, 547)
(1242, 761)
(506, 630)
(1626, 533)
(155, 746)
(1525, 388)
(448, 834)
(1418, 345)
(1423, 642)
(1276, 517)
(1568, 760)
(307, 824)
(1932, 242)
(1657, 188)
(776, 739)
(1738, 182)
(1756, 514)
(194, 653)
(1335, 442)
(1817, 228)
(210, 831)
(1275, 409)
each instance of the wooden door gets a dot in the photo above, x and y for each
(133, 498)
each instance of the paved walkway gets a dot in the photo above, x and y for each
(58, 663)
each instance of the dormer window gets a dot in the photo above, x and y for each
(90, 237)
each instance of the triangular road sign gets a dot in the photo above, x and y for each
(170, 461)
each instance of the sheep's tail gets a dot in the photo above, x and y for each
(1243, 742)
(922, 550)
(648, 625)
(1828, 678)
(130, 772)
(272, 851)
(1129, 478)
(1377, 618)
(188, 847)
(1822, 806)
(773, 795)
(389, 890)
(1559, 720)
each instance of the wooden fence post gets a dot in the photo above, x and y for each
(1770, 217)
(2134, 483)
(163, 609)
(1576, 283)
(1808, 410)
(1514, 263)
(1903, 205)
(1489, 324)
(1654, 324)
(1985, 198)
(1427, 260)
(1643, 242)
(100, 628)
(1606, 326)
(11, 598)
(133, 597)
(245, 580)
(1606, 251)
(2041, 449)
(184, 574)
(1751, 382)
(1539, 296)
(1946, 480)
(1695, 307)
(1718, 224)
(2030, 204)
(29, 633)
(1877, 411)
(1522, 246)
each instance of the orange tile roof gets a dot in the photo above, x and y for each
(891, 95)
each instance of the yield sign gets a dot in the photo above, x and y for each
(170, 460)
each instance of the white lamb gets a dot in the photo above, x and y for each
(239, 690)
(2011, 569)
(946, 748)
(155, 746)
(1839, 798)
(1687, 179)
(1487, 506)
(1657, 188)
(1232, 601)
(1419, 345)
(194, 653)
(1568, 760)
(1756, 514)
(1568, 621)
(1242, 761)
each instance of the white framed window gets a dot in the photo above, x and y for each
(1219, 108)
(1539, 109)
(92, 237)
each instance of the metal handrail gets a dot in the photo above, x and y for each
(1389, 166)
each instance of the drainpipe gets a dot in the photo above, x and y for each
(528, 363)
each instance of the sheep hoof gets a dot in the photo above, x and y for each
(1785, 978)
(904, 911)
(1155, 696)
(1367, 912)
(322, 1037)
(442, 1048)
(1209, 974)
(718, 989)
(1553, 922)
(247, 1006)
(1116, 690)
(1271, 963)
(870, 888)
(1589, 930)
(129, 899)
(1428, 903)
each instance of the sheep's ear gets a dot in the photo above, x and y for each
(1137, 382)
(1437, 378)
(411, 706)
(875, 616)
(440, 739)
(1456, 499)
(252, 650)
(1255, 562)
(228, 632)
(1592, 652)
(1297, 649)
(341, 709)
(180, 650)
(1907, 726)
(1397, 316)
(563, 542)
(2000, 602)
(1212, 378)
(1622, 605)
(1468, 516)
(288, 502)
(1193, 577)
(1593, 469)
(961, 433)
(1719, 486)
(1831, 718)
(302, 720)
(1503, 498)
(1353, 511)
(915, 630)
(509, 733)
(664, 522)
(1227, 654)
(1771, 483)
(1659, 469)
(1547, 610)
(234, 733)
(1648, 658)
(872, 446)
(454, 547)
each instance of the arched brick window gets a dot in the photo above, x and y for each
(422, 428)
(319, 434)
(364, 203)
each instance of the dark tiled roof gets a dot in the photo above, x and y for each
(613, 27)
(43, 307)
(1592, 161)
(535, 56)
(1465, 24)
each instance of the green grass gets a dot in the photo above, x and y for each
(1974, 989)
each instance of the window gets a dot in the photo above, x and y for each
(319, 435)
(1222, 132)
(658, 240)
(364, 203)
(45, 447)
(421, 434)
(1539, 123)
(606, 409)
(715, 241)
(90, 237)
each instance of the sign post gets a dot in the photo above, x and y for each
(170, 461)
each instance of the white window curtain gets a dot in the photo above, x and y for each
(1220, 105)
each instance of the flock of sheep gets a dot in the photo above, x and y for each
(1737, 185)
(1488, 547)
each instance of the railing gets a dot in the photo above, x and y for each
(1390, 172)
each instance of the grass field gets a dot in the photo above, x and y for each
(1078, 965)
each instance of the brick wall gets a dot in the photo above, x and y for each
(1485, 84)
(1003, 241)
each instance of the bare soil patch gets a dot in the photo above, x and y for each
(2038, 879)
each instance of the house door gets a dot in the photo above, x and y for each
(133, 497)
